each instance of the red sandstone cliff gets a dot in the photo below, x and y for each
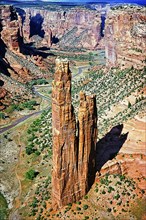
(9, 26)
(75, 27)
(125, 37)
(73, 157)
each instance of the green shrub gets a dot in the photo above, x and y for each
(117, 196)
(122, 177)
(41, 210)
(110, 189)
(11, 108)
(103, 192)
(96, 189)
(78, 208)
(2, 115)
(86, 217)
(85, 207)
(3, 208)
(44, 204)
(29, 150)
(31, 174)
(78, 202)
(37, 153)
(129, 105)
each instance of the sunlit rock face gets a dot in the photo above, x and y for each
(9, 28)
(71, 28)
(125, 36)
(73, 156)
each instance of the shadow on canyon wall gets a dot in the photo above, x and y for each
(3, 64)
(55, 40)
(29, 49)
(102, 26)
(36, 26)
(21, 13)
(108, 147)
(1, 83)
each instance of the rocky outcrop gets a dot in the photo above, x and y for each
(73, 156)
(26, 26)
(64, 28)
(13, 87)
(47, 41)
(12, 91)
(125, 37)
(3, 94)
(9, 26)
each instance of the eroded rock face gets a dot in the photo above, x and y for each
(3, 93)
(77, 27)
(73, 156)
(9, 27)
(87, 129)
(125, 37)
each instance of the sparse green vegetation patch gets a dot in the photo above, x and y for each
(37, 82)
(110, 89)
(31, 174)
(3, 208)
(40, 135)
(30, 105)
(116, 190)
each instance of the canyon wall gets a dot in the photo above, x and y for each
(9, 27)
(125, 37)
(73, 156)
(65, 28)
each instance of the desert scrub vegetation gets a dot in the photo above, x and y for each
(3, 208)
(39, 135)
(41, 197)
(81, 55)
(119, 190)
(31, 174)
(30, 105)
(37, 82)
(110, 89)
(2, 115)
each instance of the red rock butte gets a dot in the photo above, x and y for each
(73, 155)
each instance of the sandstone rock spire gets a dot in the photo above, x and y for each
(87, 128)
(64, 139)
(73, 157)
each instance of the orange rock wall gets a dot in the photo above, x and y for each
(125, 37)
(9, 24)
(73, 156)
(78, 27)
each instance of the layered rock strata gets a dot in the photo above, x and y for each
(75, 27)
(9, 27)
(125, 37)
(73, 156)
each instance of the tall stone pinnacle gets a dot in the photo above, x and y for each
(73, 157)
